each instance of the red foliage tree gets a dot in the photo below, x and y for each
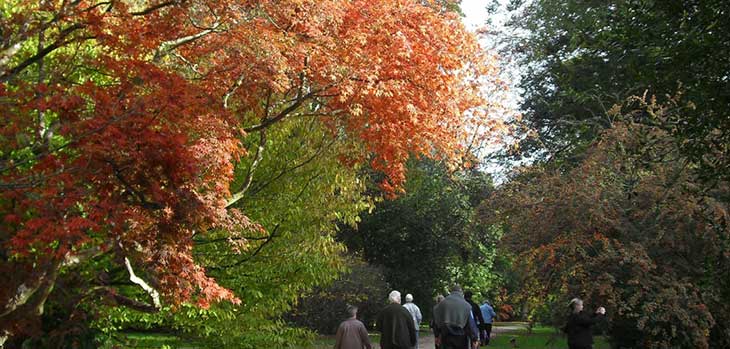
(633, 226)
(122, 121)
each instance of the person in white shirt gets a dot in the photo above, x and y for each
(415, 314)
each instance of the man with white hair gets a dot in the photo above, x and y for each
(415, 314)
(397, 330)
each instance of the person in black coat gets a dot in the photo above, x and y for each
(580, 334)
(397, 330)
(477, 313)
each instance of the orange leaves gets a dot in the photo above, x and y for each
(149, 114)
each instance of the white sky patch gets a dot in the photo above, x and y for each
(475, 12)
(477, 16)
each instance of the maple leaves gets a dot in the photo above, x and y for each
(125, 119)
(630, 226)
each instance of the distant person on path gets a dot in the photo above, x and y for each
(396, 325)
(415, 314)
(454, 321)
(580, 335)
(476, 312)
(488, 314)
(352, 333)
(432, 324)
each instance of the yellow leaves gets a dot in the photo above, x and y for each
(411, 109)
(615, 110)
(356, 109)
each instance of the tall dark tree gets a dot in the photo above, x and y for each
(428, 237)
(583, 57)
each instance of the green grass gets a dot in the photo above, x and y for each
(157, 340)
(540, 338)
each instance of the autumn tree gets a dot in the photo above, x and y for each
(123, 124)
(631, 227)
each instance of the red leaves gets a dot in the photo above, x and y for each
(144, 145)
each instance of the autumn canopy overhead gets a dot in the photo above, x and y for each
(122, 120)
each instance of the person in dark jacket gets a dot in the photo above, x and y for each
(580, 334)
(476, 312)
(395, 323)
(454, 323)
(432, 323)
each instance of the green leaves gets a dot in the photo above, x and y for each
(427, 238)
(582, 57)
(299, 191)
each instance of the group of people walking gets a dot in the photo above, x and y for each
(458, 323)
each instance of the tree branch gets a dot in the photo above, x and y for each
(133, 304)
(135, 193)
(233, 89)
(322, 146)
(268, 122)
(249, 176)
(168, 46)
(156, 7)
(135, 279)
(61, 41)
(244, 238)
(253, 254)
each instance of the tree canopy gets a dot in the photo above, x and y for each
(583, 57)
(429, 238)
(133, 129)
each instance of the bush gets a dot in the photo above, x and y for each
(323, 310)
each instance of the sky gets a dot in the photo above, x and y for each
(475, 12)
(476, 16)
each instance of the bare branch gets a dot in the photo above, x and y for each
(30, 297)
(156, 7)
(61, 41)
(257, 157)
(135, 279)
(233, 89)
(249, 176)
(169, 46)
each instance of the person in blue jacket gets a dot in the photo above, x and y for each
(488, 314)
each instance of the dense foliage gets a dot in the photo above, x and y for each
(428, 238)
(626, 202)
(324, 308)
(136, 136)
(631, 227)
(582, 57)
(300, 189)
